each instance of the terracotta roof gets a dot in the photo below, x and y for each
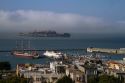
(113, 62)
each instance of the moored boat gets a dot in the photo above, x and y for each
(53, 54)
(23, 54)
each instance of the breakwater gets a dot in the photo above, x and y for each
(107, 50)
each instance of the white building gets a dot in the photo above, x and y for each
(57, 67)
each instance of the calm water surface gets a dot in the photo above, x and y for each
(57, 43)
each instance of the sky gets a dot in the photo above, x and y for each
(77, 16)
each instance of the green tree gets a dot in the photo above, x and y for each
(104, 79)
(92, 79)
(5, 66)
(14, 80)
(108, 79)
(65, 79)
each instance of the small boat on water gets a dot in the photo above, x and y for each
(25, 53)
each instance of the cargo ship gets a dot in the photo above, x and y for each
(49, 33)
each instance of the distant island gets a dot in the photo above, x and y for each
(49, 33)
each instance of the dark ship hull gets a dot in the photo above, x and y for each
(25, 55)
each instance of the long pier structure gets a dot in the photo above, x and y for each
(106, 50)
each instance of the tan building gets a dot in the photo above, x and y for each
(115, 65)
(75, 74)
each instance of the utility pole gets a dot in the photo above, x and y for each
(86, 77)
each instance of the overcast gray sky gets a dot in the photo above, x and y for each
(79, 16)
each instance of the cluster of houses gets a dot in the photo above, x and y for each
(116, 68)
(79, 69)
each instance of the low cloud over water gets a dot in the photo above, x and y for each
(29, 20)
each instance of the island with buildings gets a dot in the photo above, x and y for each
(46, 33)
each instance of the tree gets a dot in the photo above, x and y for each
(104, 79)
(108, 79)
(92, 79)
(65, 79)
(5, 66)
(14, 80)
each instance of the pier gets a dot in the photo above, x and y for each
(107, 50)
